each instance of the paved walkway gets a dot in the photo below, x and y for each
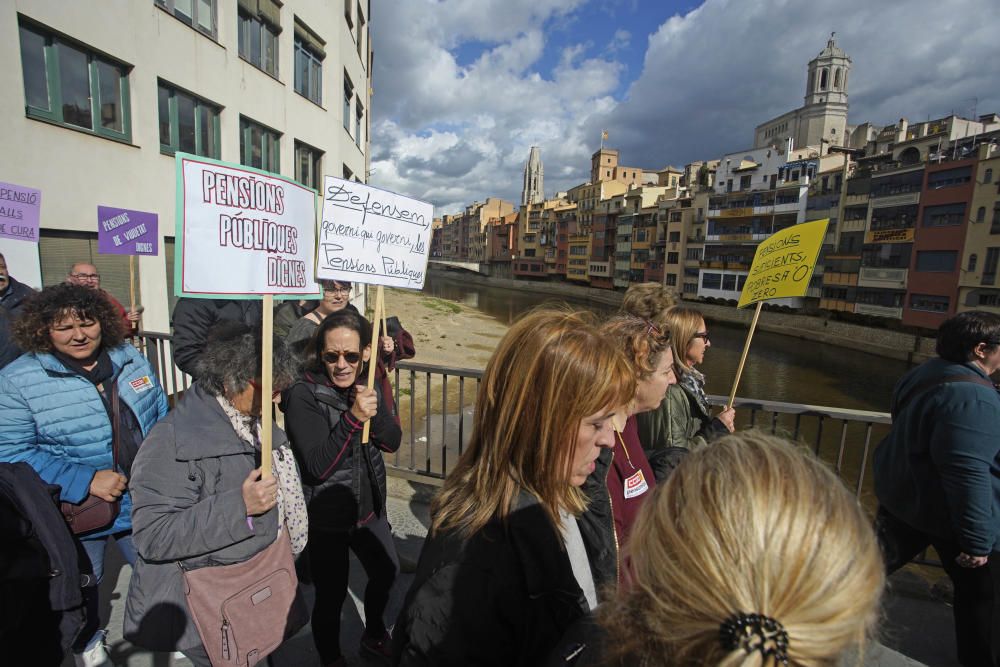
(918, 626)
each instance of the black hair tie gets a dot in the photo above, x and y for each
(755, 632)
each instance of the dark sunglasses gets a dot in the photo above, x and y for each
(349, 357)
(701, 334)
(256, 385)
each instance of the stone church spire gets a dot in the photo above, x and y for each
(533, 191)
(827, 80)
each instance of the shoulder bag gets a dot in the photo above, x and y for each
(94, 513)
(244, 611)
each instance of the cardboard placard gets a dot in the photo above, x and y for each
(20, 212)
(121, 231)
(784, 263)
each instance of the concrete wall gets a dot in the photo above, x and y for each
(77, 171)
(881, 342)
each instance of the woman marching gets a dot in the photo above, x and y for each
(79, 391)
(684, 419)
(345, 480)
(504, 571)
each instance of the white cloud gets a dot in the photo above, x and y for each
(711, 76)
(454, 132)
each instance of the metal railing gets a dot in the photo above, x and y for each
(435, 407)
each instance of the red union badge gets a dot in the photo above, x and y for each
(635, 485)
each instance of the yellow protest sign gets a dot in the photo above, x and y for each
(784, 263)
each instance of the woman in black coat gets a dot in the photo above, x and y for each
(504, 571)
(344, 479)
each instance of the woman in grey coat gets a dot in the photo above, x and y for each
(198, 496)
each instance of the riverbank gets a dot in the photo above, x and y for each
(882, 342)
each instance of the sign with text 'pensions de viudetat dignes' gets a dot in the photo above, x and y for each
(372, 236)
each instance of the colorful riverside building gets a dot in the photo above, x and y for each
(116, 91)
(977, 283)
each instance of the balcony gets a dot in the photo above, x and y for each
(878, 311)
(857, 199)
(837, 304)
(835, 278)
(736, 237)
(873, 276)
(730, 265)
(905, 199)
(600, 269)
(790, 207)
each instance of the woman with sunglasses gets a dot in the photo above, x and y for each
(344, 479)
(684, 418)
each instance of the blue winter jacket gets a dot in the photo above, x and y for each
(55, 420)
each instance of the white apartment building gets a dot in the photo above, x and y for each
(100, 94)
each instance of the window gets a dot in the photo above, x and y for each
(359, 120)
(995, 225)
(348, 96)
(929, 302)
(259, 146)
(988, 176)
(67, 83)
(672, 258)
(989, 299)
(711, 280)
(936, 260)
(949, 178)
(199, 14)
(347, 13)
(948, 215)
(309, 55)
(258, 34)
(981, 214)
(361, 34)
(990, 266)
(745, 182)
(308, 161)
(693, 253)
(187, 123)
(973, 258)
(729, 281)
(675, 216)
(675, 237)
(348, 174)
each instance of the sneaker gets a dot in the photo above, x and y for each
(379, 647)
(94, 656)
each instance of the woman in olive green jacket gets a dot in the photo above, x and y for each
(684, 418)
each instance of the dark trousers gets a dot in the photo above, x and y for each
(977, 590)
(329, 563)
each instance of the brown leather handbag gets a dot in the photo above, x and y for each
(244, 611)
(93, 513)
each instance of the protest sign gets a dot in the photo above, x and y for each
(784, 263)
(373, 236)
(782, 267)
(124, 232)
(20, 208)
(242, 233)
(22, 261)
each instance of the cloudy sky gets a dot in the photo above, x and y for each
(464, 88)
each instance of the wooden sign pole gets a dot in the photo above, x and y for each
(266, 382)
(131, 282)
(373, 360)
(743, 359)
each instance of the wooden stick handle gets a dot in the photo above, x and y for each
(743, 359)
(131, 282)
(373, 360)
(266, 382)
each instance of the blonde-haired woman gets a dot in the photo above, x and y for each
(684, 419)
(504, 571)
(752, 553)
(624, 478)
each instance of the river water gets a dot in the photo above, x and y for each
(779, 368)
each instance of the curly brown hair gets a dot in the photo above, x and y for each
(52, 304)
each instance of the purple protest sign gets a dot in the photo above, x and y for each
(19, 212)
(124, 232)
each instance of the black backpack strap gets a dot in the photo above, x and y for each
(933, 382)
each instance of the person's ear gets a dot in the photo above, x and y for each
(366, 354)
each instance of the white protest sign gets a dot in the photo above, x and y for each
(373, 236)
(242, 233)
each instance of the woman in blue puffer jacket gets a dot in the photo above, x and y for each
(56, 407)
